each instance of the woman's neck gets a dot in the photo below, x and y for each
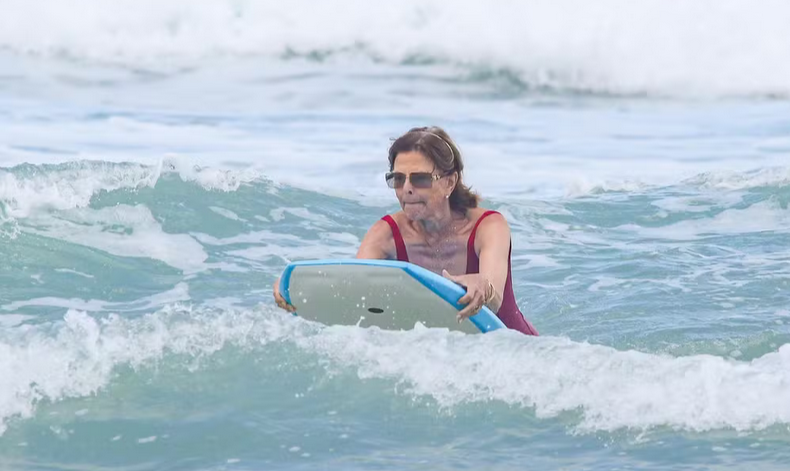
(442, 223)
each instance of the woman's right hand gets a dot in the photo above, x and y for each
(278, 298)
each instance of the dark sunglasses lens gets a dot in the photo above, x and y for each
(421, 180)
(396, 180)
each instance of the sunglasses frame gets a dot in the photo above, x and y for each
(390, 179)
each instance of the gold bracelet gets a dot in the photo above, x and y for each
(489, 296)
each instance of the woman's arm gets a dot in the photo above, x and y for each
(492, 242)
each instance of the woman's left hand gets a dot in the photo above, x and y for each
(477, 288)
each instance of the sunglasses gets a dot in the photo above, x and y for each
(417, 179)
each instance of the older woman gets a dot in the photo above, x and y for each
(442, 229)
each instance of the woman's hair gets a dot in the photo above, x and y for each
(434, 143)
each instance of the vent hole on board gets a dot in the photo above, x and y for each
(375, 310)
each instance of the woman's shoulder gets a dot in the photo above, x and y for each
(492, 222)
(379, 242)
(399, 217)
(383, 229)
(474, 215)
(382, 226)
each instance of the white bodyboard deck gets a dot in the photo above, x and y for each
(388, 294)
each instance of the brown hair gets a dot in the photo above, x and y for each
(434, 143)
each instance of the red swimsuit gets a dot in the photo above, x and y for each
(509, 312)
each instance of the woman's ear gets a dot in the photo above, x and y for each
(452, 181)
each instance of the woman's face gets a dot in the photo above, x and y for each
(423, 193)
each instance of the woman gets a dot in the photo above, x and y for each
(442, 229)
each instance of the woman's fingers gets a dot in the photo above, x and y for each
(279, 300)
(471, 294)
(466, 299)
(471, 309)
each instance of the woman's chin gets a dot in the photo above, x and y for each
(413, 210)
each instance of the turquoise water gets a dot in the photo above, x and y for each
(151, 191)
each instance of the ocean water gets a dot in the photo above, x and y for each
(161, 162)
